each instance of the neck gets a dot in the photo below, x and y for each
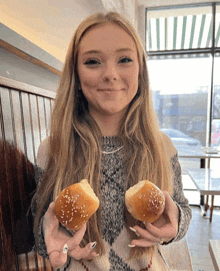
(108, 124)
(108, 129)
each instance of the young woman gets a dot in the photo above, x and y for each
(104, 129)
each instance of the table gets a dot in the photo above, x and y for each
(197, 153)
(207, 182)
(214, 249)
(202, 155)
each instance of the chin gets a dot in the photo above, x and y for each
(114, 111)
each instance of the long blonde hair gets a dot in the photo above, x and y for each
(75, 139)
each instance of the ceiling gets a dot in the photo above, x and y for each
(47, 23)
(50, 23)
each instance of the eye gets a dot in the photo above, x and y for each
(125, 60)
(92, 62)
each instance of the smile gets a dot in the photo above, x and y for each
(109, 90)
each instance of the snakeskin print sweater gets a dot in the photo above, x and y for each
(114, 233)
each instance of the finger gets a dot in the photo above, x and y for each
(77, 238)
(146, 235)
(171, 208)
(156, 232)
(165, 233)
(51, 210)
(83, 253)
(89, 250)
(142, 243)
(50, 218)
(50, 228)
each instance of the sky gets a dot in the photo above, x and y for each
(172, 76)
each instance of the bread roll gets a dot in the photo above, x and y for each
(75, 205)
(145, 201)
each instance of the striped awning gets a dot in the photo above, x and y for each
(170, 31)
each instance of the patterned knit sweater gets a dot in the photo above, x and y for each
(115, 234)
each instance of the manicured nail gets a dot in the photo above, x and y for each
(131, 245)
(65, 249)
(93, 245)
(96, 255)
(161, 242)
(132, 229)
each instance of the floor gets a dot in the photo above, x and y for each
(198, 236)
(201, 230)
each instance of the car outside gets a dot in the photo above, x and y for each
(181, 140)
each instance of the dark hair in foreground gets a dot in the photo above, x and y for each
(17, 186)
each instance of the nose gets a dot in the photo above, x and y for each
(110, 73)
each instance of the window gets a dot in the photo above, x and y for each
(183, 48)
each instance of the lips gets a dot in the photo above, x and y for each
(111, 89)
(107, 89)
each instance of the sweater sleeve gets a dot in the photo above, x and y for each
(180, 200)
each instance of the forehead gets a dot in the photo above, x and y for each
(105, 37)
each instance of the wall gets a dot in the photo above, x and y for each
(24, 61)
(16, 68)
(34, 37)
(48, 24)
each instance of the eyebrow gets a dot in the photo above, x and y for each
(98, 51)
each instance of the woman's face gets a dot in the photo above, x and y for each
(108, 69)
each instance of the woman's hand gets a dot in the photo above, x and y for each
(162, 230)
(56, 239)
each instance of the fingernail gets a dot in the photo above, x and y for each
(96, 255)
(131, 245)
(65, 249)
(132, 229)
(93, 245)
(161, 242)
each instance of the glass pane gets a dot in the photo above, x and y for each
(179, 28)
(180, 97)
(217, 26)
(215, 135)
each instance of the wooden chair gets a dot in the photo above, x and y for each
(24, 122)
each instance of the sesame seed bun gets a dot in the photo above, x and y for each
(75, 205)
(145, 201)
